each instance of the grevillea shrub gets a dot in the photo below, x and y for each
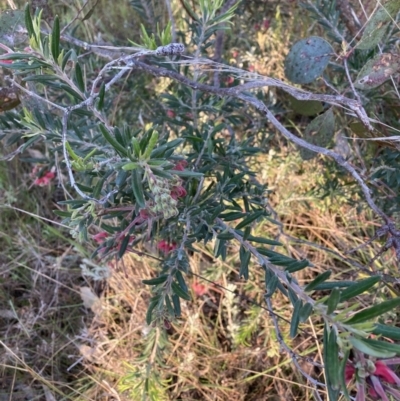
(172, 166)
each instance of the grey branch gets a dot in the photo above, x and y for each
(237, 92)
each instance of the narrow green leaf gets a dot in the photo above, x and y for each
(305, 312)
(130, 166)
(181, 281)
(191, 13)
(79, 77)
(179, 291)
(219, 243)
(230, 216)
(272, 286)
(296, 265)
(294, 324)
(44, 78)
(162, 173)
(65, 59)
(187, 173)
(333, 301)
(368, 349)
(55, 39)
(342, 378)
(170, 308)
(61, 213)
(157, 280)
(225, 235)
(123, 246)
(135, 146)
(374, 311)
(269, 253)
(271, 282)
(292, 296)
(358, 288)
(250, 219)
(90, 12)
(382, 345)
(101, 96)
(112, 141)
(333, 395)
(29, 23)
(391, 332)
(99, 185)
(70, 91)
(175, 143)
(150, 145)
(177, 305)
(17, 56)
(332, 362)
(158, 152)
(244, 263)
(153, 303)
(329, 285)
(318, 280)
(137, 188)
(262, 240)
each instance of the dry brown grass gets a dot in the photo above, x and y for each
(224, 347)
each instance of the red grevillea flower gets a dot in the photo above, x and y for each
(44, 179)
(349, 372)
(171, 114)
(376, 380)
(178, 192)
(180, 165)
(199, 289)
(100, 237)
(383, 372)
(166, 247)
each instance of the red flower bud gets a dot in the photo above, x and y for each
(171, 114)
(165, 247)
(180, 165)
(100, 237)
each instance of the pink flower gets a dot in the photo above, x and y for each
(144, 214)
(171, 114)
(199, 289)
(385, 373)
(180, 165)
(229, 80)
(100, 237)
(376, 381)
(44, 179)
(178, 192)
(349, 372)
(166, 247)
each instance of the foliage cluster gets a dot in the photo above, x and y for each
(157, 145)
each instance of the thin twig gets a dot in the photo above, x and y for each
(77, 16)
(292, 354)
